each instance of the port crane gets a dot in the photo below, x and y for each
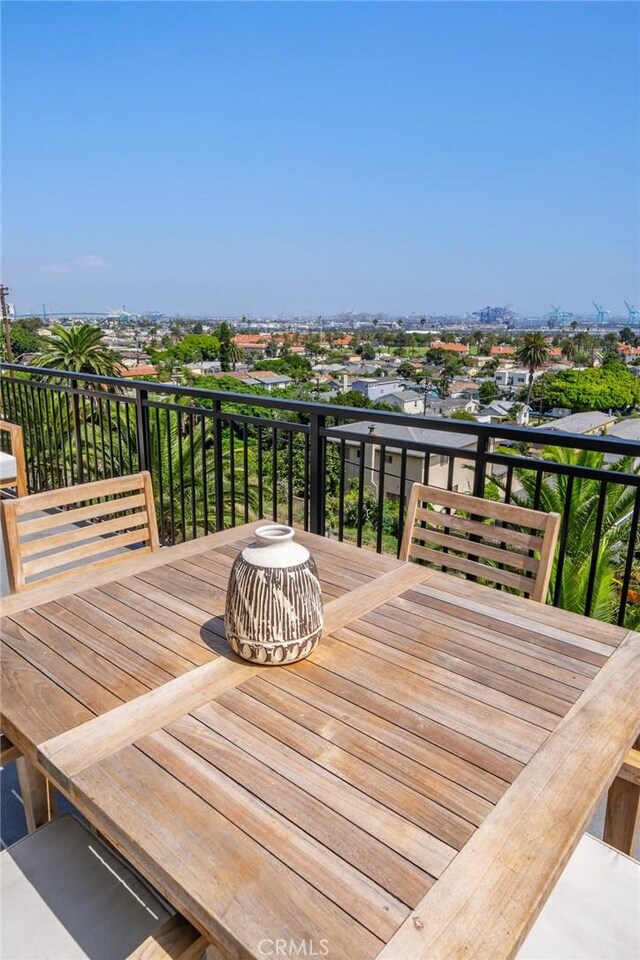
(634, 313)
(494, 314)
(560, 315)
(602, 313)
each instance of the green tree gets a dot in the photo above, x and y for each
(406, 370)
(197, 346)
(235, 354)
(291, 365)
(610, 387)
(569, 348)
(488, 391)
(629, 336)
(532, 353)
(461, 415)
(25, 337)
(79, 349)
(225, 336)
(580, 521)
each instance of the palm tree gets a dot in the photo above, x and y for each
(569, 348)
(533, 353)
(581, 505)
(80, 350)
(234, 354)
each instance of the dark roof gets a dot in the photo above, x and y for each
(386, 432)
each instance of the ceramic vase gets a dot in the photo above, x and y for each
(273, 611)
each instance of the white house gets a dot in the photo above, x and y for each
(407, 401)
(514, 378)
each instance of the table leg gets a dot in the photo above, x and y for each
(37, 794)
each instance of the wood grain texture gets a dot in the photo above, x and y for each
(225, 883)
(630, 769)
(335, 796)
(465, 553)
(622, 815)
(35, 793)
(16, 439)
(53, 552)
(129, 567)
(73, 751)
(176, 939)
(489, 897)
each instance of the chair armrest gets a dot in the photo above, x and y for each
(17, 451)
(176, 939)
(630, 769)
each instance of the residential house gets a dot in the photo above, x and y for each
(375, 388)
(271, 380)
(437, 407)
(514, 378)
(378, 446)
(134, 373)
(460, 348)
(258, 378)
(503, 350)
(406, 401)
(625, 430)
(464, 388)
(499, 410)
(590, 422)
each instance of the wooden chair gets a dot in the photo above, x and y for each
(66, 895)
(13, 471)
(479, 543)
(105, 520)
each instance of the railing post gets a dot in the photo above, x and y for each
(317, 471)
(142, 430)
(218, 465)
(75, 404)
(482, 447)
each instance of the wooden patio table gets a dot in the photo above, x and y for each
(411, 790)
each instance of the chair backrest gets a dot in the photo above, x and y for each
(102, 524)
(482, 542)
(16, 439)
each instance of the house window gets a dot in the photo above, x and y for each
(388, 458)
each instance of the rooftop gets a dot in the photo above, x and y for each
(407, 434)
(581, 422)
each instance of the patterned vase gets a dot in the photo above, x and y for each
(273, 611)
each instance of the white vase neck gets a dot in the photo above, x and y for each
(274, 535)
(275, 547)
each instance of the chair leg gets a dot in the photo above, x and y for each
(622, 818)
(37, 794)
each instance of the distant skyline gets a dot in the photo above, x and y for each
(310, 158)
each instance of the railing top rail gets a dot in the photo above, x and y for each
(539, 437)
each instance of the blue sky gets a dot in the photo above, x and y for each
(312, 157)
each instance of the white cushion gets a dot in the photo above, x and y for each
(593, 912)
(66, 896)
(8, 469)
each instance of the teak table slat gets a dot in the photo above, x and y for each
(411, 790)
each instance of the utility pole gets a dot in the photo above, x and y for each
(5, 322)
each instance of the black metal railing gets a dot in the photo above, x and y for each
(218, 459)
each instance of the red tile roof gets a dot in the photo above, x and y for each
(453, 347)
(503, 350)
(143, 371)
